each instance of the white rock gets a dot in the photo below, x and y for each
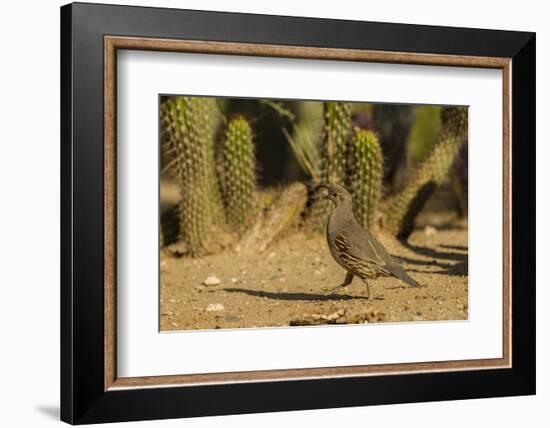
(215, 307)
(212, 280)
(234, 280)
(430, 231)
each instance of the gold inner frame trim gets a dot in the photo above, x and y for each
(113, 43)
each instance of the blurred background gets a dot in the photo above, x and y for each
(407, 134)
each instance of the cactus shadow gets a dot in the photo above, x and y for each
(436, 254)
(449, 263)
(458, 269)
(294, 296)
(454, 247)
(453, 269)
(417, 262)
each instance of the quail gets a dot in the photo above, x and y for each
(354, 248)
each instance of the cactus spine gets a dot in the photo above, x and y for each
(365, 176)
(238, 172)
(334, 152)
(404, 207)
(187, 129)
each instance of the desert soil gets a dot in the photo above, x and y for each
(289, 283)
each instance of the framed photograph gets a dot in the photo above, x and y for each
(267, 213)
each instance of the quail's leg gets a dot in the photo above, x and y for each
(368, 287)
(347, 281)
(369, 297)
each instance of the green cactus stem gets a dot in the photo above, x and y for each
(335, 141)
(334, 153)
(238, 172)
(187, 130)
(365, 176)
(403, 208)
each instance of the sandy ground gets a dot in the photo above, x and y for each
(289, 283)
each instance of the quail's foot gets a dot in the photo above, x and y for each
(347, 281)
(337, 288)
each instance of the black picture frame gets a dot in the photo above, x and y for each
(83, 397)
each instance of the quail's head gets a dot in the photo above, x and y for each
(336, 193)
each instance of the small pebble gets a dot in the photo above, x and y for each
(215, 307)
(212, 280)
(430, 231)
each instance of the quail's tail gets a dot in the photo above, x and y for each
(402, 275)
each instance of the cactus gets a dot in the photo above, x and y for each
(187, 130)
(334, 145)
(403, 208)
(335, 141)
(365, 176)
(238, 172)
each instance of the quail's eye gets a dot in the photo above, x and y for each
(334, 194)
